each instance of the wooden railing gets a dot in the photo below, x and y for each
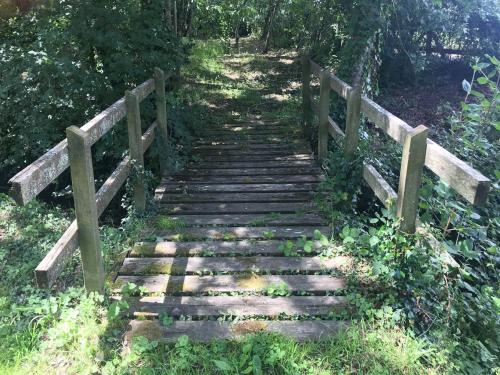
(75, 152)
(418, 150)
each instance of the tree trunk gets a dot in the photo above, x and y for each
(266, 22)
(270, 28)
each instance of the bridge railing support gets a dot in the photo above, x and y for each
(82, 180)
(418, 150)
(410, 177)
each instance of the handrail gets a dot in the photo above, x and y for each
(28, 183)
(464, 179)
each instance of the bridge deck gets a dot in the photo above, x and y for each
(222, 255)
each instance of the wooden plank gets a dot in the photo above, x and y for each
(464, 179)
(82, 180)
(352, 123)
(206, 331)
(258, 264)
(381, 188)
(244, 283)
(262, 164)
(228, 234)
(215, 248)
(339, 86)
(410, 178)
(244, 153)
(243, 306)
(236, 208)
(392, 125)
(29, 182)
(252, 146)
(324, 111)
(252, 158)
(235, 188)
(135, 149)
(148, 137)
(334, 130)
(249, 179)
(250, 171)
(289, 136)
(161, 118)
(240, 220)
(244, 143)
(235, 197)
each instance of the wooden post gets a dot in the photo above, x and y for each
(410, 177)
(324, 110)
(82, 180)
(306, 93)
(135, 147)
(352, 122)
(161, 118)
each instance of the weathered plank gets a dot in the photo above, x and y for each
(250, 138)
(254, 157)
(242, 233)
(247, 142)
(324, 111)
(29, 182)
(244, 147)
(352, 123)
(250, 171)
(234, 188)
(255, 220)
(242, 306)
(236, 208)
(203, 154)
(249, 179)
(315, 68)
(410, 177)
(334, 130)
(243, 283)
(261, 164)
(206, 331)
(381, 188)
(216, 248)
(235, 197)
(82, 180)
(257, 264)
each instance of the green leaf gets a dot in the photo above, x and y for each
(222, 365)
(166, 320)
(257, 365)
(483, 80)
(374, 241)
(466, 86)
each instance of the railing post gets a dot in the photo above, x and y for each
(410, 177)
(135, 148)
(306, 93)
(352, 122)
(324, 110)
(82, 179)
(161, 119)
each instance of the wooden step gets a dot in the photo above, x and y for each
(257, 264)
(297, 147)
(248, 137)
(258, 164)
(215, 248)
(242, 283)
(259, 179)
(245, 143)
(235, 197)
(236, 188)
(204, 153)
(254, 158)
(229, 234)
(237, 208)
(254, 220)
(206, 331)
(242, 306)
(250, 172)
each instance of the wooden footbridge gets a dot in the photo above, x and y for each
(220, 266)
